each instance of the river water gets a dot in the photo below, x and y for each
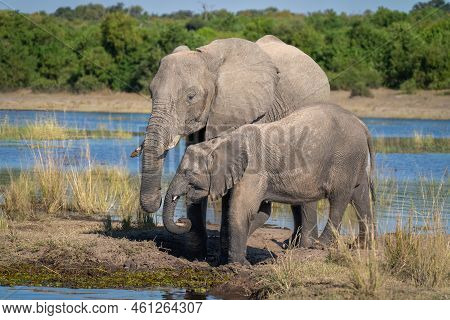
(413, 174)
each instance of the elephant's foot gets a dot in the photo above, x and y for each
(243, 261)
(291, 242)
(195, 246)
(326, 239)
(300, 242)
(224, 259)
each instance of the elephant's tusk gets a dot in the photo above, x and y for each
(136, 151)
(175, 198)
(174, 142)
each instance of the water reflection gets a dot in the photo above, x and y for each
(48, 293)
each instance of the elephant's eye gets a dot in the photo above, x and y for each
(191, 96)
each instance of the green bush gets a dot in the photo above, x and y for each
(87, 83)
(45, 85)
(409, 86)
(360, 89)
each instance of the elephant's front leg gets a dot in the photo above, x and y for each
(257, 221)
(196, 238)
(245, 201)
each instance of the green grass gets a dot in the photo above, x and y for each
(49, 129)
(417, 144)
(188, 278)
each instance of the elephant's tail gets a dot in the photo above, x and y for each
(372, 166)
(371, 161)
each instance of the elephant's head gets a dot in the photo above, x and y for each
(220, 86)
(208, 168)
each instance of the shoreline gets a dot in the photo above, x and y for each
(77, 252)
(386, 103)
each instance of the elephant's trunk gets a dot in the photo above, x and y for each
(183, 225)
(157, 139)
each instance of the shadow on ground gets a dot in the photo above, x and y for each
(175, 245)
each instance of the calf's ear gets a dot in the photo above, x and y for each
(226, 166)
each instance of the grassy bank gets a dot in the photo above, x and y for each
(413, 262)
(417, 144)
(49, 129)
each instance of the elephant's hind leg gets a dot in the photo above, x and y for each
(362, 205)
(305, 232)
(338, 204)
(264, 212)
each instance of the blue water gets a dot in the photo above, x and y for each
(133, 122)
(47, 293)
(380, 127)
(403, 167)
(408, 169)
(136, 122)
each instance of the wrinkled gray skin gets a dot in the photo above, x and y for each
(217, 88)
(321, 151)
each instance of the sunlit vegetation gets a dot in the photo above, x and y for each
(417, 144)
(49, 129)
(50, 189)
(414, 261)
(119, 48)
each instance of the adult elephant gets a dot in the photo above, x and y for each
(216, 88)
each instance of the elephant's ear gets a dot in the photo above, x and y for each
(226, 166)
(245, 86)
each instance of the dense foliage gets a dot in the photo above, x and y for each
(92, 47)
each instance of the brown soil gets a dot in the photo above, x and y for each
(103, 101)
(386, 103)
(79, 247)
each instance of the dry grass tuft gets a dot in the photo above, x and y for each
(285, 274)
(20, 197)
(51, 182)
(3, 222)
(364, 265)
(420, 250)
(423, 258)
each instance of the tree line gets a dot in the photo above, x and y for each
(92, 47)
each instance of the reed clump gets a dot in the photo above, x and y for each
(50, 181)
(50, 129)
(419, 143)
(51, 188)
(101, 190)
(420, 251)
(19, 197)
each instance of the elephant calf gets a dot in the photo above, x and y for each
(321, 151)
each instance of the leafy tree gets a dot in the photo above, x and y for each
(439, 4)
(90, 47)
